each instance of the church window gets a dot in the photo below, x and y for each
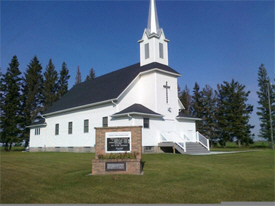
(56, 129)
(147, 51)
(160, 50)
(105, 121)
(146, 122)
(37, 131)
(70, 127)
(86, 126)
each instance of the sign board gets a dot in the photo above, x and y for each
(118, 142)
(115, 166)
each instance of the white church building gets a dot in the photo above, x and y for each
(144, 94)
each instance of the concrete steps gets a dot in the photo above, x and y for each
(191, 147)
(195, 148)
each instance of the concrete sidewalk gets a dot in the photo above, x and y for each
(224, 152)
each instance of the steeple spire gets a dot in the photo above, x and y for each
(153, 23)
(153, 44)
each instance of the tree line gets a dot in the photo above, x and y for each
(23, 97)
(225, 113)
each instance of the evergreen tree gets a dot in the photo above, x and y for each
(186, 99)
(263, 109)
(32, 94)
(78, 76)
(63, 80)
(197, 107)
(11, 110)
(91, 75)
(233, 113)
(50, 86)
(209, 121)
(2, 95)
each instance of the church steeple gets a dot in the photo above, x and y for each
(153, 45)
(153, 22)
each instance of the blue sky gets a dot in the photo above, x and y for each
(210, 41)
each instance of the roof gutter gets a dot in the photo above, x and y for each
(189, 118)
(36, 125)
(130, 114)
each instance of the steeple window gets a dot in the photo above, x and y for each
(147, 51)
(160, 50)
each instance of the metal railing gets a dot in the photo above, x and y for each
(202, 140)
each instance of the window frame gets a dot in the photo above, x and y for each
(37, 131)
(70, 127)
(57, 129)
(146, 125)
(86, 126)
(104, 121)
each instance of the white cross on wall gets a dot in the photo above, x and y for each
(166, 87)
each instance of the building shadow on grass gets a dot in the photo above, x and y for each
(142, 164)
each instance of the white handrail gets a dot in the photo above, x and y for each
(202, 140)
(181, 144)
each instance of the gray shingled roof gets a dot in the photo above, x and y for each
(137, 109)
(38, 123)
(103, 88)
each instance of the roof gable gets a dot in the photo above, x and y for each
(103, 88)
(137, 109)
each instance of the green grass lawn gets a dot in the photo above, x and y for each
(168, 178)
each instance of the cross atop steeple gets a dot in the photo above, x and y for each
(153, 23)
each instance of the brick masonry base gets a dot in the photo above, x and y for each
(133, 166)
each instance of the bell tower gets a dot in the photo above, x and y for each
(153, 44)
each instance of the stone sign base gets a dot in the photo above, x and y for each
(117, 166)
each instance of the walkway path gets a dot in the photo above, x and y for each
(224, 152)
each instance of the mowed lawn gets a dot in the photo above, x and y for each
(168, 178)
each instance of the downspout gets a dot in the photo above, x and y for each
(131, 118)
(45, 134)
(115, 104)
